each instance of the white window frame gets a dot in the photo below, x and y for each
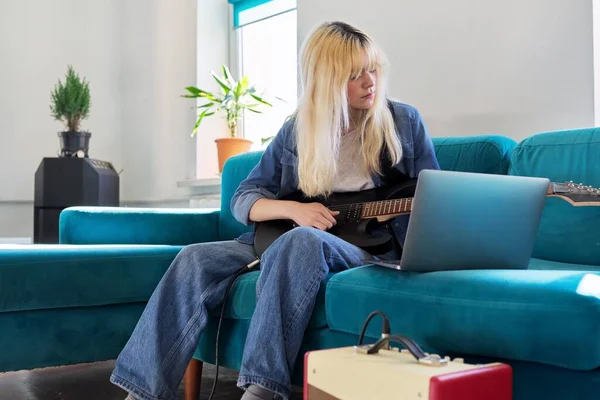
(235, 59)
(235, 56)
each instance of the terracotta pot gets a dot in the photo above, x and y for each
(229, 147)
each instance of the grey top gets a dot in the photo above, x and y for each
(351, 176)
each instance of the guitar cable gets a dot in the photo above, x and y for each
(246, 268)
(385, 329)
(386, 339)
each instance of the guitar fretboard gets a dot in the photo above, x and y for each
(386, 207)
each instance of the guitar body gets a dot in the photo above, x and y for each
(350, 226)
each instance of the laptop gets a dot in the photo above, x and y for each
(463, 220)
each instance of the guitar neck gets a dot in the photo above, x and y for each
(576, 194)
(381, 208)
(386, 207)
(402, 206)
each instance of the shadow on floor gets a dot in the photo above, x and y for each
(90, 382)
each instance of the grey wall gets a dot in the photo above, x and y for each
(138, 56)
(512, 67)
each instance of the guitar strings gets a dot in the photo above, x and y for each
(344, 207)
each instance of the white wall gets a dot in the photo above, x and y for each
(512, 67)
(16, 219)
(138, 56)
(214, 27)
(37, 40)
(158, 50)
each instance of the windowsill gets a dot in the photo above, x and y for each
(201, 186)
(200, 182)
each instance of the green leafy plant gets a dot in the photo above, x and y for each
(233, 99)
(71, 100)
(266, 140)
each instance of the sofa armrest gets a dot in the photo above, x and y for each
(124, 225)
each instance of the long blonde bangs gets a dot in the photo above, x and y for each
(332, 55)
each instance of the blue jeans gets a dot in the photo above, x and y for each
(154, 360)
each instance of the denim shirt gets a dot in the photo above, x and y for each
(276, 174)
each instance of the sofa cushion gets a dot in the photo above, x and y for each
(549, 317)
(566, 233)
(488, 154)
(242, 301)
(35, 277)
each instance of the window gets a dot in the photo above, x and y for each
(267, 53)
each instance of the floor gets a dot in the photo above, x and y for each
(90, 382)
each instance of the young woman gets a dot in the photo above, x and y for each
(344, 136)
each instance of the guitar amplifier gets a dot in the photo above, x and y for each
(349, 374)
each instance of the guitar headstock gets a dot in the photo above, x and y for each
(575, 193)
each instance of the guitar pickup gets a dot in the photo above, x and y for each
(354, 213)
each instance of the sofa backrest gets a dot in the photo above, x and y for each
(486, 154)
(235, 170)
(489, 154)
(566, 233)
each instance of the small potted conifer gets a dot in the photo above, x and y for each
(70, 103)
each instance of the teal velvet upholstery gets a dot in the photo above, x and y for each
(539, 264)
(516, 314)
(488, 154)
(123, 225)
(65, 304)
(566, 233)
(35, 277)
(80, 303)
(62, 336)
(235, 170)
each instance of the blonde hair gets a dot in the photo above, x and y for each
(331, 56)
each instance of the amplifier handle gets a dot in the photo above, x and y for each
(433, 360)
(407, 342)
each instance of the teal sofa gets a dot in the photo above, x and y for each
(79, 301)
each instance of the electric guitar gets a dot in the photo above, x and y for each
(359, 211)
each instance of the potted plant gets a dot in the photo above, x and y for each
(233, 99)
(70, 104)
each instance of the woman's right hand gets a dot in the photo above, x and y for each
(312, 214)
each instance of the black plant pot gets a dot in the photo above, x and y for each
(71, 142)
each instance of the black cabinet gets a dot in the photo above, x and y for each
(66, 182)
